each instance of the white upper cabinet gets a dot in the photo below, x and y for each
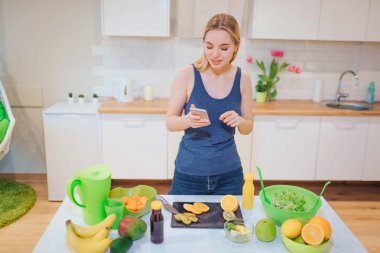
(193, 15)
(344, 20)
(371, 169)
(289, 19)
(341, 148)
(373, 29)
(145, 18)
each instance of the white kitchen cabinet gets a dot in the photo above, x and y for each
(371, 170)
(72, 142)
(373, 28)
(341, 148)
(134, 146)
(344, 20)
(285, 147)
(147, 18)
(244, 147)
(243, 143)
(290, 19)
(174, 138)
(194, 14)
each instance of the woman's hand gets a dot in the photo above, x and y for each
(231, 118)
(195, 121)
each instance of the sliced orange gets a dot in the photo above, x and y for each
(136, 197)
(201, 206)
(229, 203)
(325, 225)
(187, 207)
(312, 234)
(143, 200)
(126, 199)
(195, 210)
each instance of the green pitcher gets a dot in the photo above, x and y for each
(93, 185)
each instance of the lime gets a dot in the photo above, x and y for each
(299, 240)
(229, 215)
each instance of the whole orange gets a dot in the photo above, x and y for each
(324, 224)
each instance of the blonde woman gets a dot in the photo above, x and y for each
(207, 161)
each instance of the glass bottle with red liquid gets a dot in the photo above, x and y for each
(156, 223)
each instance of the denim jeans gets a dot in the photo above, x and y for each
(222, 184)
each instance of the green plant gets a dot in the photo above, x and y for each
(95, 95)
(80, 96)
(269, 76)
(70, 94)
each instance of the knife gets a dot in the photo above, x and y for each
(166, 204)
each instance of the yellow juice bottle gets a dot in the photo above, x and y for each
(248, 191)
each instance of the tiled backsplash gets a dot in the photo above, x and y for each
(156, 60)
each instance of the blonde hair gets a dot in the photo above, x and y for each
(222, 22)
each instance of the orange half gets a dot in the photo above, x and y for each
(312, 234)
(229, 203)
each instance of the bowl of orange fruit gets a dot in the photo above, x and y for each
(302, 236)
(136, 199)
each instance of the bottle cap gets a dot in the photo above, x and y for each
(248, 176)
(156, 205)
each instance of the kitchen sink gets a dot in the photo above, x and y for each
(350, 106)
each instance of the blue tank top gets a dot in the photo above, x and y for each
(210, 150)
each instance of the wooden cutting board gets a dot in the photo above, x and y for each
(211, 219)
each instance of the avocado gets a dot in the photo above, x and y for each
(121, 245)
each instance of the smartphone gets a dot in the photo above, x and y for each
(201, 112)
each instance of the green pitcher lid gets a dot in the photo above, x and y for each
(96, 172)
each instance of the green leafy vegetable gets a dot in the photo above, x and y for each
(288, 200)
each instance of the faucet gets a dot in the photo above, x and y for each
(338, 93)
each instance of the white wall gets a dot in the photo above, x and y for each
(48, 48)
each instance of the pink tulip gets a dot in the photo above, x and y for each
(298, 70)
(292, 68)
(277, 53)
(249, 59)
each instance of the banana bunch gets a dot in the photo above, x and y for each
(92, 239)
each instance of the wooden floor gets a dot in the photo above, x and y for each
(358, 204)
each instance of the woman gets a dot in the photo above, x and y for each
(207, 161)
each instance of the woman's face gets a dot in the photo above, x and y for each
(219, 48)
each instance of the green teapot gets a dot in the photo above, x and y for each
(93, 185)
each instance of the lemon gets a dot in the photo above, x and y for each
(291, 228)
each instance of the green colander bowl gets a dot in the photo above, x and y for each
(280, 215)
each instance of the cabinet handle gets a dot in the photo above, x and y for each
(64, 115)
(287, 124)
(134, 122)
(345, 124)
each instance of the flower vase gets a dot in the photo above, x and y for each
(261, 97)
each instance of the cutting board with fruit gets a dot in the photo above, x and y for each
(212, 218)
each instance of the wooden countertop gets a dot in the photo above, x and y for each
(277, 107)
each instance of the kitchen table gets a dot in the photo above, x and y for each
(196, 240)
